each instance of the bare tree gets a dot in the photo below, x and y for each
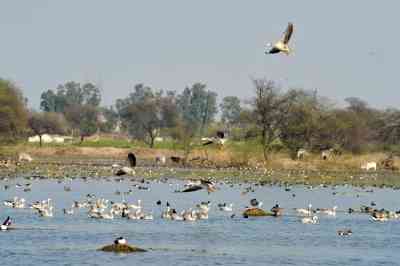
(271, 108)
(46, 123)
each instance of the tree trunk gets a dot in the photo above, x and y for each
(40, 140)
(82, 139)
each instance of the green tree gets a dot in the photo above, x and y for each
(231, 109)
(70, 94)
(146, 111)
(13, 112)
(198, 106)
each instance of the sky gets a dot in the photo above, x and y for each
(341, 48)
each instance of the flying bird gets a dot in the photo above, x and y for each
(201, 184)
(282, 45)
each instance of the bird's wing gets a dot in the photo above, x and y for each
(192, 188)
(206, 182)
(288, 33)
(208, 143)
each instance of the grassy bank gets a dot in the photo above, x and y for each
(236, 161)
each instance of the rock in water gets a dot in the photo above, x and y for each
(121, 248)
(255, 212)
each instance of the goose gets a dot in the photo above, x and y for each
(6, 224)
(190, 216)
(148, 217)
(282, 45)
(226, 207)
(219, 140)
(177, 217)
(136, 207)
(201, 184)
(107, 216)
(134, 215)
(255, 203)
(204, 206)
(310, 220)
(304, 211)
(379, 219)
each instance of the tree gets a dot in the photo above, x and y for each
(13, 112)
(271, 109)
(70, 94)
(198, 106)
(47, 123)
(301, 125)
(110, 119)
(83, 118)
(231, 109)
(146, 111)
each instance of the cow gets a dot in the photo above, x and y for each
(301, 153)
(24, 157)
(369, 166)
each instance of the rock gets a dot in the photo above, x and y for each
(256, 212)
(121, 248)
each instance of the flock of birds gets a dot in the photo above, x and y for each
(101, 208)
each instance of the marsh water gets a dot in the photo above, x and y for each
(220, 240)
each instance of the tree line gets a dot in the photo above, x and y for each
(277, 118)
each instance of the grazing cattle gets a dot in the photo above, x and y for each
(369, 166)
(132, 159)
(301, 153)
(326, 154)
(388, 163)
(24, 157)
(176, 159)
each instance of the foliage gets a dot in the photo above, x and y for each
(198, 107)
(231, 110)
(70, 94)
(83, 118)
(13, 112)
(47, 123)
(271, 109)
(145, 111)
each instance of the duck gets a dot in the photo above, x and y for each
(6, 224)
(283, 44)
(120, 241)
(310, 220)
(344, 232)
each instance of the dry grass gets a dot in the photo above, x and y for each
(226, 157)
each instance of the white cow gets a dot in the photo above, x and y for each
(369, 166)
(24, 157)
(301, 153)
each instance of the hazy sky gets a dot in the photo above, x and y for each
(342, 48)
